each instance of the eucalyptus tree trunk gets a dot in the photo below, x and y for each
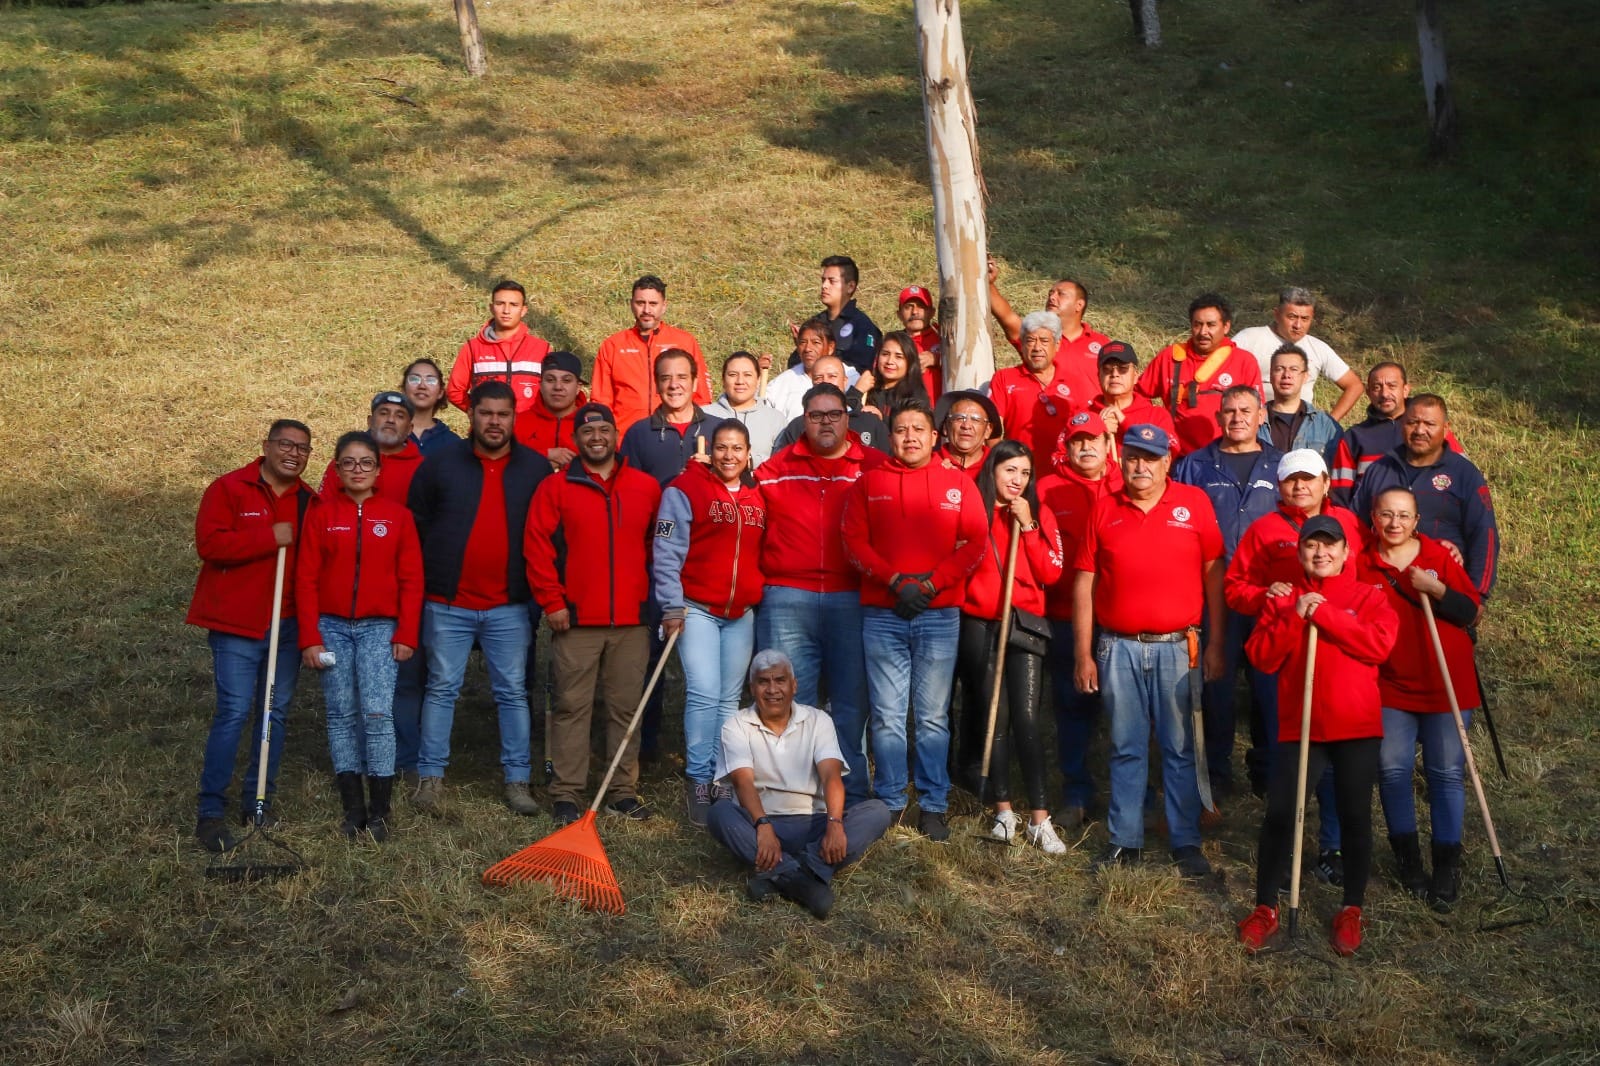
(960, 235)
(471, 38)
(1146, 22)
(1436, 80)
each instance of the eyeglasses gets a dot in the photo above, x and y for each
(816, 418)
(421, 379)
(284, 444)
(352, 464)
(1394, 516)
(977, 420)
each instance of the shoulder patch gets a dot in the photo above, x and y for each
(665, 528)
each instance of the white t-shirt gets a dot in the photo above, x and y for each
(788, 389)
(1321, 360)
(785, 764)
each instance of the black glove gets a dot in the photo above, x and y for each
(912, 596)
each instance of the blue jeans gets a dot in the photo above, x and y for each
(410, 683)
(715, 653)
(1145, 687)
(821, 634)
(358, 691)
(503, 634)
(800, 835)
(1076, 713)
(1219, 697)
(240, 666)
(911, 667)
(1443, 762)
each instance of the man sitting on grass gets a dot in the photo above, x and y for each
(788, 817)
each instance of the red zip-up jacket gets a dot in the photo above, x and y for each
(927, 520)
(625, 372)
(517, 360)
(1172, 371)
(805, 497)
(1040, 564)
(1355, 632)
(359, 560)
(394, 474)
(587, 544)
(239, 554)
(1269, 552)
(708, 544)
(1069, 498)
(540, 430)
(1409, 679)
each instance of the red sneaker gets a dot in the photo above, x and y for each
(1262, 923)
(1346, 935)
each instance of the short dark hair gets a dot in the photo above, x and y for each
(816, 324)
(741, 354)
(1083, 290)
(822, 388)
(1429, 399)
(649, 281)
(1389, 365)
(288, 423)
(443, 401)
(846, 265)
(672, 353)
(912, 407)
(490, 390)
(507, 285)
(361, 437)
(1290, 349)
(1211, 299)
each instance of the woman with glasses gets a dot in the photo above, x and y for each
(423, 385)
(358, 593)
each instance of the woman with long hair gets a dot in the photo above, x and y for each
(895, 378)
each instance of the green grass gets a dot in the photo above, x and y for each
(213, 217)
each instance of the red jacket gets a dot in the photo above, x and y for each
(540, 430)
(933, 377)
(394, 474)
(805, 497)
(928, 520)
(1139, 412)
(1040, 564)
(1035, 414)
(587, 544)
(518, 360)
(1269, 552)
(624, 372)
(1069, 498)
(1169, 375)
(1409, 679)
(1356, 629)
(359, 561)
(708, 544)
(239, 554)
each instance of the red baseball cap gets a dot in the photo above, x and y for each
(915, 292)
(1085, 424)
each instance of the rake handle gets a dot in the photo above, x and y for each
(1461, 731)
(272, 679)
(1000, 653)
(633, 726)
(1300, 776)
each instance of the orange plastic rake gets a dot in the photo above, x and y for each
(572, 859)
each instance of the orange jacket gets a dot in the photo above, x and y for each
(624, 372)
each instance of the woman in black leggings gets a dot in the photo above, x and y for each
(1006, 483)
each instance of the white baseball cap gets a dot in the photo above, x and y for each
(1301, 461)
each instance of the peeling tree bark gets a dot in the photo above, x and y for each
(1436, 80)
(1146, 22)
(471, 38)
(960, 234)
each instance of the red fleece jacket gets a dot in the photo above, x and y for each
(239, 554)
(359, 561)
(1040, 565)
(1269, 552)
(1069, 498)
(926, 520)
(805, 497)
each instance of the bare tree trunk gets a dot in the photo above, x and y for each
(1436, 80)
(960, 234)
(471, 39)
(1146, 22)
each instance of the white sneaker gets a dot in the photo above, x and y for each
(1044, 835)
(1005, 826)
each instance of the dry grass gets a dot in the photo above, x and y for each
(213, 217)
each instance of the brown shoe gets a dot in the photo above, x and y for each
(429, 795)
(518, 799)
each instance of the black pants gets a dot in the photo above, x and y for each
(1355, 771)
(1017, 721)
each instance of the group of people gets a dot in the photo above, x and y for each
(851, 543)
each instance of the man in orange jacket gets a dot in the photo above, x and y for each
(624, 367)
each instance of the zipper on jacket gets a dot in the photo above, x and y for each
(611, 550)
(738, 543)
(355, 586)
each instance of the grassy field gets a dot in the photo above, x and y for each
(218, 213)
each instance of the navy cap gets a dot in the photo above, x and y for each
(593, 412)
(399, 399)
(1322, 526)
(1116, 352)
(1147, 438)
(564, 361)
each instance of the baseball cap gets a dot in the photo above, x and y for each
(399, 399)
(1117, 352)
(1147, 438)
(1085, 424)
(593, 412)
(915, 292)
(1301, 461)
(564, 361)
(1322, 526)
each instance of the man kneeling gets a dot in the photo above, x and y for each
(788, 817)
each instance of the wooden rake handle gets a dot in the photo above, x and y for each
(1300, 774)
(1000, 652)
(633, 726)
(1461, 724)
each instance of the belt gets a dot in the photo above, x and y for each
(1150, 638)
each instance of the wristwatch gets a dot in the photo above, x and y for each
(763, 820)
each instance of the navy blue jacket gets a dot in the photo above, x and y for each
(1452, 502)
(855, 338)
(660, 450)
(1237, 505)
(444, 501)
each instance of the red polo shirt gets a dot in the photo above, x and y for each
(1148, 567)
(1033, 413)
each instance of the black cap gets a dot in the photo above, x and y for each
(1322, 525)
(399, 399)
(941, 410)
(1116, 352)
(593, 412)
(564, 361)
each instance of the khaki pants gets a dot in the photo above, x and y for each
(581, 654)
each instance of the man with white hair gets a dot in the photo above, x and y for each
(1291, 324)
(1036, 399)
(788, 818)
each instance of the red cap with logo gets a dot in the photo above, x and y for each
(915, 292)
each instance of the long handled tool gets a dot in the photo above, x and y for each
(1477, 785)
(549, 717)
(239, 868)
(1000, 660)
(1202, 772)
(1300, 779)
(572, 859)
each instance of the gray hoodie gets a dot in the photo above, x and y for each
(763, 421)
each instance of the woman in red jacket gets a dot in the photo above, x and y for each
(1406, 566)
(1355, 632)
(358, 592)
(706, 568)
(1007, 487)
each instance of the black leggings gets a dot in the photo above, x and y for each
(1355, 770)
(1017, 722)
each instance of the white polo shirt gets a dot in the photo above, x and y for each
(785, 764)
(1321, 360)
(787, 391)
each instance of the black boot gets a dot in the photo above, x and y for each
(381, 790)
(1408, 863)
(1446, 876)
(354, 804)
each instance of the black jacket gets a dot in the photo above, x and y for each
(661, 451)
